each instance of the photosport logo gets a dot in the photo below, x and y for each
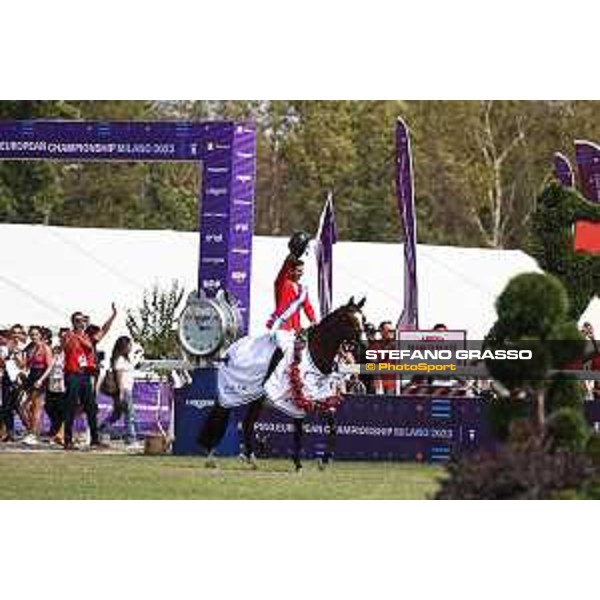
(518, 360)
(432, 356)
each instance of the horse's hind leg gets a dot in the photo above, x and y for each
(213, 430)
(250, 419)
(331, 439)
(298, 431)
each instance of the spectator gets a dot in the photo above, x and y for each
(347, 356)
(47, 335)
(371, 343)
(39, 363)
(4, 337)
(55, 396)
(80, 368)
(386, 383)
(123, 371)
(12, 378)
(591, 361)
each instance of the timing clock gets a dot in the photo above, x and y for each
(207, 326)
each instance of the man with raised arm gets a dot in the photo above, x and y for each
(80, 368)
(291, 296)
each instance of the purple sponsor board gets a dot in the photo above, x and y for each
(226, 149)
(153, 405)
(410, 428)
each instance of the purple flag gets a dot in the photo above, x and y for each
(326, 237)
(563, 170)
(588, 163)
(409, 319)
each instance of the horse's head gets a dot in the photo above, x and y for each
(356, 317)
(346, 323)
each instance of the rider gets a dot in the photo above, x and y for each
(290, 295)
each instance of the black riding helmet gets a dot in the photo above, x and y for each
(298, 243)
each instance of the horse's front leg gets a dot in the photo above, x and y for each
(298, 431)
(250, 419)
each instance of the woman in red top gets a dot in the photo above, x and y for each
(39, 364)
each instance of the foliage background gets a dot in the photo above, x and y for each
(479, 165)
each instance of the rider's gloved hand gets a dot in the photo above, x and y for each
(273, 332)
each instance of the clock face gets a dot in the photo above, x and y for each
(201, 328)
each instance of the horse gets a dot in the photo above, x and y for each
(256, 371)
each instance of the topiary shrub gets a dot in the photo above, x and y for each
(531, 305)
(533, 315)
(592, 449)
(567, 429)
(551, 243)
(518, 470)
(501, 413)
(564, 392)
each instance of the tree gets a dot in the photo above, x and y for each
(31, 191)
(152, 325)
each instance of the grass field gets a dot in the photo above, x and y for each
(37, 475)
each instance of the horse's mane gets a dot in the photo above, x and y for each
(331, 319)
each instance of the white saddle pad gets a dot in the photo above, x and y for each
(240, 378)
(241, 375)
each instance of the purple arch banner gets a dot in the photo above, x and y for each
(588, 162)
(227, 151)
(563, 170)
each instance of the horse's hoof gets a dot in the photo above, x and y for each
(210, 462)
(323, 465)
(298, 469)
(249, 461)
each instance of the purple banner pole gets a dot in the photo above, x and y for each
(227, 151)
(563, 170)
(588, 163)
(409, 319)
(326, 237)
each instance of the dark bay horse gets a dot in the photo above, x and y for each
(323, 341)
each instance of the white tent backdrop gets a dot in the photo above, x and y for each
(48, 272)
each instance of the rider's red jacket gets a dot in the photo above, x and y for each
(290, 299)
